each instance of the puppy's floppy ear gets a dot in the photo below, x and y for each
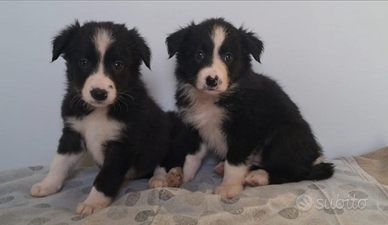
(140, 47)
(175, 40)
(63, 39)
(251, 44)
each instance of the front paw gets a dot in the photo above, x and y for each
(229, 191)
(188, 178)
(157, 182)
(175, 177)
(94, 202)
(87, 209)
(43, 189)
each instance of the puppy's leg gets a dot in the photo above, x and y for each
(110, 178)
(254, 178)
(175, 177)
(70, 151)
(159, 178)
(193, 162)
(233, 181)
(258, 177)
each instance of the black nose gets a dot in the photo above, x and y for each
(211, 82)
(99, 94)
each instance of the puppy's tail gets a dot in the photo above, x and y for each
(321, 171)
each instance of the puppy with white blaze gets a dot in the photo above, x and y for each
(245, 117)
(106, 111)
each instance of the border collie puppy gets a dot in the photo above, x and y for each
(243, 116)
(106, 111)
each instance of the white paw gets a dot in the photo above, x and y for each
(157, 182)
(319, 160)
(220, 168)
(229, 191)
(94, 202)
(188, 177)
(257, 178)
(43, 189)
(87, 209)
(174, 177)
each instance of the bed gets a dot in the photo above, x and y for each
(359, 180)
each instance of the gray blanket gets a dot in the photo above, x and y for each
(307, 202)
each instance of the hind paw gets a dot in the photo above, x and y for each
(229, 191)
(157, 182)
(257, 178)
(219, 169)
(175, 177)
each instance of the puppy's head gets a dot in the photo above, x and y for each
(213, 54)
(103, 59)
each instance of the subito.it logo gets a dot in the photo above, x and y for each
(304, 203)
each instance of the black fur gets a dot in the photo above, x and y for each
(260, 115)
(70, 142)
(184, 140)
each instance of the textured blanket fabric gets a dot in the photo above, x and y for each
(322, 202)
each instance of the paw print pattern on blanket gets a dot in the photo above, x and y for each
(194, 203)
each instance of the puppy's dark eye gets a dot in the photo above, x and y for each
(199, 55)
(228, 57)
(118, 65)
(84, 63)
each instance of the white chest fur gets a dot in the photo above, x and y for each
(97, 129)
(207, 117)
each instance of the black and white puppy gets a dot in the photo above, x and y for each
(241, 115)
(106, 111)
